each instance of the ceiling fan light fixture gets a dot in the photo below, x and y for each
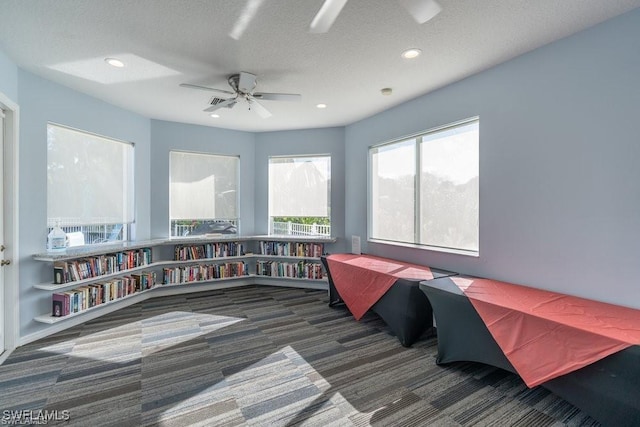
(411, 53)
(114, 62)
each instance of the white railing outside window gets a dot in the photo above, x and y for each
(293, 229)
(195, 227)
(80, 234)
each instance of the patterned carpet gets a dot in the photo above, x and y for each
(258, 356)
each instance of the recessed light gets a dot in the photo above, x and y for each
(321, 106)
(411, 53)
(386, 91)
(114, 62)
(215, 116)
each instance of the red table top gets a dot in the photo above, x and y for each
(545, 334)
(361, 280)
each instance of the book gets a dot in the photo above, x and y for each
(58, 275)
(58, 309)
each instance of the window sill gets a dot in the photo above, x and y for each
(474, 254)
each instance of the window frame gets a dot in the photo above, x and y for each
(125, 227)
(235, 221)
(417, 190)
(270, 217)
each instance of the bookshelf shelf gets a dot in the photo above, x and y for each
(205, 260)
(294, 279)
(286, 257)
(70, 285)
(202, 282)
(182, 254)
(131, 299)
(95, 250)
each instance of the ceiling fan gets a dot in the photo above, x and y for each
(421, 10)
(243, 85)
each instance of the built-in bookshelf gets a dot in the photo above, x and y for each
(91, 277)
(292, 259)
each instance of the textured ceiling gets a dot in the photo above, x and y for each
(168, 42)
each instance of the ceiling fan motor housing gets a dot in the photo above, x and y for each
(234, 82)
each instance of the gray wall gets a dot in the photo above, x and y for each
(559, 151)
(42, 101)
(295, 143)
(167, 136)
(8, 78)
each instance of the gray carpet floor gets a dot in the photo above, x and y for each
(259, 356)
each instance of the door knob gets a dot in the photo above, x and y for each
(5, 262)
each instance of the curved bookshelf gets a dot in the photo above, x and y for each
(163, 255)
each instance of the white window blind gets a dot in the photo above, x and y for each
(393, 171)
(449, 184)
(203, 186)
(299, 186)
(89, 179)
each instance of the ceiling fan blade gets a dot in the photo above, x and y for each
(247, 15)
(224, 103)
(277, 96)
(326, 16)
(247, 82)
(421, 10)
(258, 108)
(190, 86)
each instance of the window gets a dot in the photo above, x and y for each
(393, 191)
(424, 189)
(203, 193)
(89, 185)
(300, 195)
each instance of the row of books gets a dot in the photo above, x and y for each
(85, 297)
(301, 269)
(208, 250)
(314, 250)
(199, 273)
(95, 266)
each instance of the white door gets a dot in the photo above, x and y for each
(9, 117)
(2, 260)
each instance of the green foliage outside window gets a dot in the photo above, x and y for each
(309, 220)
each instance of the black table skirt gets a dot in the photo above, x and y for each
(404, 308)
(608, 390)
